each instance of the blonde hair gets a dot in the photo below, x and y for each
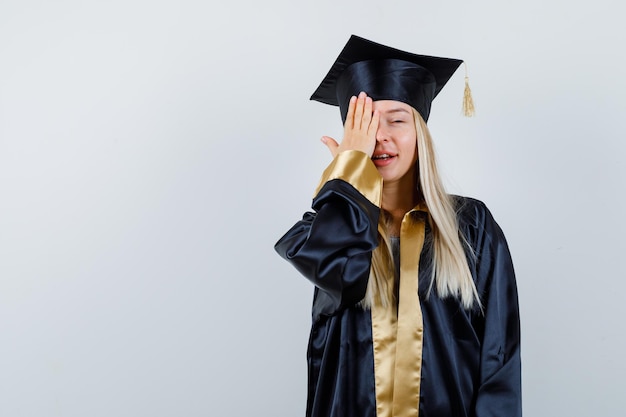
(451, 275)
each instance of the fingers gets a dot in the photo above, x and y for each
(359, 129)
(358, 111)
(373, 126)
(366, 118)
(350, 116)
(332, 145)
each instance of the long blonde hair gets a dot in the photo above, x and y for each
(451, 275)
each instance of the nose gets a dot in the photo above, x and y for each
(382, 135)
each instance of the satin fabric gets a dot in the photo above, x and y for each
(470, 361)
(384, 73)
(410, 337)
(398, 331)
(387, 79)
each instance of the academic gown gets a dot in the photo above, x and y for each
(466, 361)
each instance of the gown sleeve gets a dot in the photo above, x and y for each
(332, 246)
(500, 387)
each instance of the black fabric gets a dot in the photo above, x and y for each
(470, 361)
(388, 79)
(384, 73)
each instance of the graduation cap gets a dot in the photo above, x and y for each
(386, 73)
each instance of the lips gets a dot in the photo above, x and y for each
(381, 159)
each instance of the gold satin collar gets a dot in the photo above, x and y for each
(398, 332)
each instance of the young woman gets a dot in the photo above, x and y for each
(415, 308)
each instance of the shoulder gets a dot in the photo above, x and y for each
(476, 221)
(489, 257)
(470, 209)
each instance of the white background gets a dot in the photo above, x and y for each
(152, 152)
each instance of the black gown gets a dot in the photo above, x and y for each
(468, 361)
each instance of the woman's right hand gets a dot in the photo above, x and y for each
(359, 129)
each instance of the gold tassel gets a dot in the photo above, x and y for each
(468, 102)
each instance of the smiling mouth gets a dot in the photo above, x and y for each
(382, 156)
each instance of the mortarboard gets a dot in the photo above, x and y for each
(385, 73)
